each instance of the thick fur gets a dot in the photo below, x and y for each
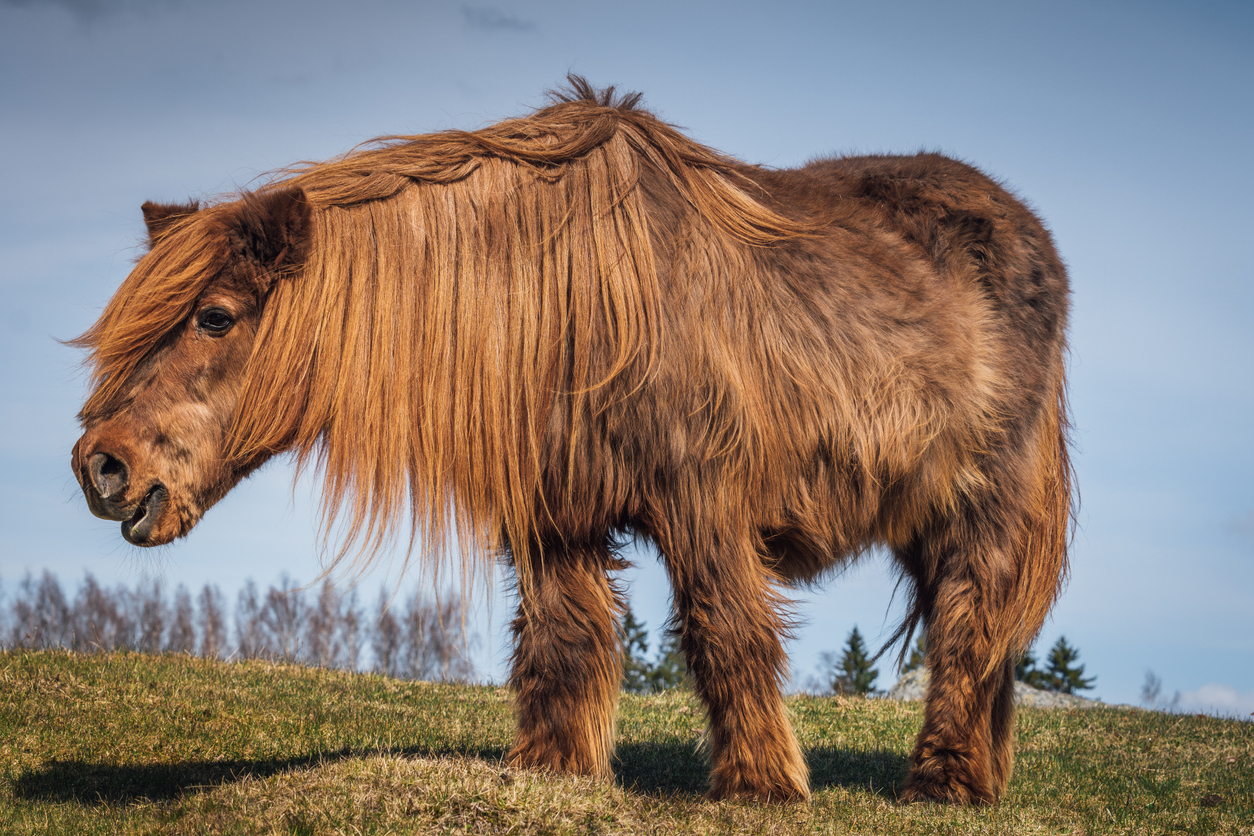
(563, 327)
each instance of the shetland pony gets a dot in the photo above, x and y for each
(531, 338)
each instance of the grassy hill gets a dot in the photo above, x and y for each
(131, 743)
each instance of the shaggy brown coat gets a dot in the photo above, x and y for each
(563, 327)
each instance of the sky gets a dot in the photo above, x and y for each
(1126, 125)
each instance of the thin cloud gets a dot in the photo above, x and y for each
(89, 11)
(1219, 699)
(492, 19)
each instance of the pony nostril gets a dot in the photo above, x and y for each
(108, 475)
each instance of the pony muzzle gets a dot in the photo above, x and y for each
(109, 488)
(108, 475)
(104, 479)
(139, 527)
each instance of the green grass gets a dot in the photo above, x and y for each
(129, 743)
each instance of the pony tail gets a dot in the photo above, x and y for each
(1042, 552)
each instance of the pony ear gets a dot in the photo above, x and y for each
(159, 217)
(271, 229)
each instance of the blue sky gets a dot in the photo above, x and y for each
(1126, 125)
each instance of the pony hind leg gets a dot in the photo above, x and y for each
(567, 661)
(985, 579)
(1002, 726)
(983, 589)
(730, 627)
(963, 752)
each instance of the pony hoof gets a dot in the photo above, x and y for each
(774, 791)
(543, 759)
(942, 788)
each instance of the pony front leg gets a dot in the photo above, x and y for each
(567, 663)
(730, 629)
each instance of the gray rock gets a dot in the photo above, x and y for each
(913, 686)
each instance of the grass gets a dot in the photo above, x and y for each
(130, 743)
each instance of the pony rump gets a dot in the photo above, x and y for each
(464, 293)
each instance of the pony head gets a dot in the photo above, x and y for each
(168, 360)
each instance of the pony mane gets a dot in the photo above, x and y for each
(463, 291)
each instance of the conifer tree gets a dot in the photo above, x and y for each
(918, 654)
(853, 674)
(641, 676)
(669, 671)
(1027, 672)
(635, 646)
(1063, 674)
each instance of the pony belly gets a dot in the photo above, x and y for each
(799, 554)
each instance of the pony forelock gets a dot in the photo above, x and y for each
(158, 294)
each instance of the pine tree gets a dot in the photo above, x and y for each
(853, 674)
(918, 654)
(669, 671)
(1063, 674)
(639, 675)
(1028, 673)
(635, 646)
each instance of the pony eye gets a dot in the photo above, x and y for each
(216, 321)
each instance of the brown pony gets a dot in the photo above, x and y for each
(537, 336)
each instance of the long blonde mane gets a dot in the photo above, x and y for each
(459, 285)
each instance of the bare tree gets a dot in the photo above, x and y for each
(150, 602)
(102, 621)
(419, 639)
(324, 644)
(41, 615)
(182, 638)
(250, 643)
(386, 639)
(1151, 694)
(351, 632)
(212, 622)
(435, 642)
(281, 618)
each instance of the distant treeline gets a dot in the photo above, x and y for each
(412, 638)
